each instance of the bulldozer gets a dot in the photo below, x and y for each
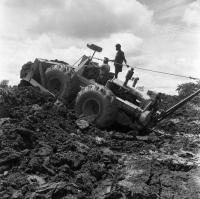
(101, 104)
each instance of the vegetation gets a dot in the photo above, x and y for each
(4, 83)
(186, 89)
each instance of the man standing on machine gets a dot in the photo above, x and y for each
(119, 59)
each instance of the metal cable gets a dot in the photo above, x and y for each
(156, 71)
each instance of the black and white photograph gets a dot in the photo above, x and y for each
(100, 99)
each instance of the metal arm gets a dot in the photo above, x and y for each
(176, 106)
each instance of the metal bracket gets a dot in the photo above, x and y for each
(41, 75)
(29, 79)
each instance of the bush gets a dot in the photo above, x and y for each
(4, 83)
(187, 89)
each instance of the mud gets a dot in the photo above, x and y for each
(47, 152)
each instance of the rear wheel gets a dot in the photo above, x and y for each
(98, 103)
(55, 79)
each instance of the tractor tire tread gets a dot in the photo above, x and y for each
(110, 109)
(58, 72)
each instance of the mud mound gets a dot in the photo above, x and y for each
(47, 152)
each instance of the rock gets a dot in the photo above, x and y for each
(82, 124)
(176, 163)
(5, 173)
(175, 121)
(37, 196)
(107, 152)
(115, 195)
(186, 154)
(4, 168)
(97, 170)
(63, 189)
(34, 178)
(80, 147)
(133, 133)
(36, 164)
(142, 138)
(3, 120)
(36, 107)
(104, 188)
(44, 150)
(46, 166)
(85, 182)
(17, 195)
(6, 196)
(153, 137)
(17, 180)
(70, 196)
(99, 140)
(117, 136)
(66, 170)
(9, 157)
(58, 104)
(56, 190)
(44, 189)
(73, 159)
(29, 136)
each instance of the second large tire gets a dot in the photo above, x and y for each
(55, 78)
(98, 102)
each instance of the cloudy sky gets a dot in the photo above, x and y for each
(154, 34)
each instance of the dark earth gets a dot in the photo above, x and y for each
(47, 152)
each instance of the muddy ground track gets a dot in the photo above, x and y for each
(45, 152)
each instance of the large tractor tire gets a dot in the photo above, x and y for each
(98, 103)
(55, 79)
(26, 68)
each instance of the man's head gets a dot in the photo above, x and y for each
(118, 47)
(105, 61)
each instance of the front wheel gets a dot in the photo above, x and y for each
(98, 102)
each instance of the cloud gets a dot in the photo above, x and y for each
(169, 11)
(32, 5)
(80, 19)
(174, 47)
(192, 14)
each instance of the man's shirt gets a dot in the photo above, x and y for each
(119, 58)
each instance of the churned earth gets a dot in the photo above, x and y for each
(47, 152)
